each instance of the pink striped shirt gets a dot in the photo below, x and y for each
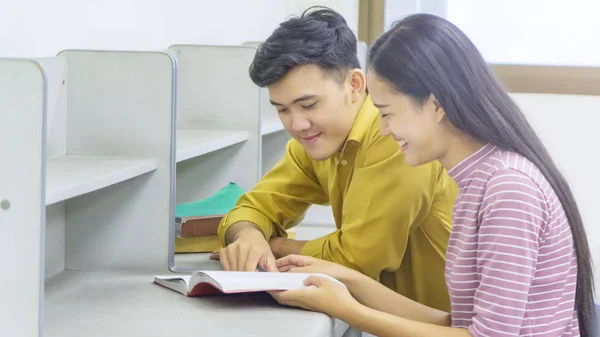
(511, 268)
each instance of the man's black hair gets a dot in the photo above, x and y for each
(320, 36)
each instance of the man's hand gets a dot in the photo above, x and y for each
(247, 251)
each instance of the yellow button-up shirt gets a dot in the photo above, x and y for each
(393, 220)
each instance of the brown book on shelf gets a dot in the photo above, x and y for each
(193, 226)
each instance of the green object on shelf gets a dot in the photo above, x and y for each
(219, 203)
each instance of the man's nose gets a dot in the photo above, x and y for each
(300, 123)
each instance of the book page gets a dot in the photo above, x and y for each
(179, 283)
(176, 278)
(232, 281)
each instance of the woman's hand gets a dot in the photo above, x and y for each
(321, 295)
(307, 264)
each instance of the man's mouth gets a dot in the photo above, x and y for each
(312, 139)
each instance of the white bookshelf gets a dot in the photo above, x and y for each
(218, 132)
(22, 210)
(113, 174)
(87, 197)
(70, 176)
(87, 176)
(194, 143)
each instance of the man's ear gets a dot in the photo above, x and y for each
(358, 84)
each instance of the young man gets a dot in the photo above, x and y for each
(393, 220)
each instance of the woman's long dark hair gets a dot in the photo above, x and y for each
(424, 54)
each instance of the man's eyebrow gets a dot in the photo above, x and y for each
(299, 99)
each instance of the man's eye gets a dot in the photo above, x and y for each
(310, 106)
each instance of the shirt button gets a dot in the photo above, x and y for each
(344, 162)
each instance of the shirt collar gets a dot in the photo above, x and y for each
(463, 170)
(362, 124)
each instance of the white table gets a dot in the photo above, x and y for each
(111, 304)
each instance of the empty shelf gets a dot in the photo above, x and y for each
(271, 126)
(196, 142)
(120, 304)
(72, 176)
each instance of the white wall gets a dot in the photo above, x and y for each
(348, 8)
(398, 9)
(527, 31)
(37, 28)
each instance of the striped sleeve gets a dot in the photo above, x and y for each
(512, 218)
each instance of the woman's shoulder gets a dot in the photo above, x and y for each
(515, 169)
(520, 184)
(505, 167)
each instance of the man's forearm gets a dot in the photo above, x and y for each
(282, 247)
(377, 296)
(241, 228)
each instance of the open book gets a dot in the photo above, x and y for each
(215, 282)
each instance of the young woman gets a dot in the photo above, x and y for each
(518, 261)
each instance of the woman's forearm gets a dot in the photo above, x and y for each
(387, 325)
(377, 296)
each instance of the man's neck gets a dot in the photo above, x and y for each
(354, 109)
